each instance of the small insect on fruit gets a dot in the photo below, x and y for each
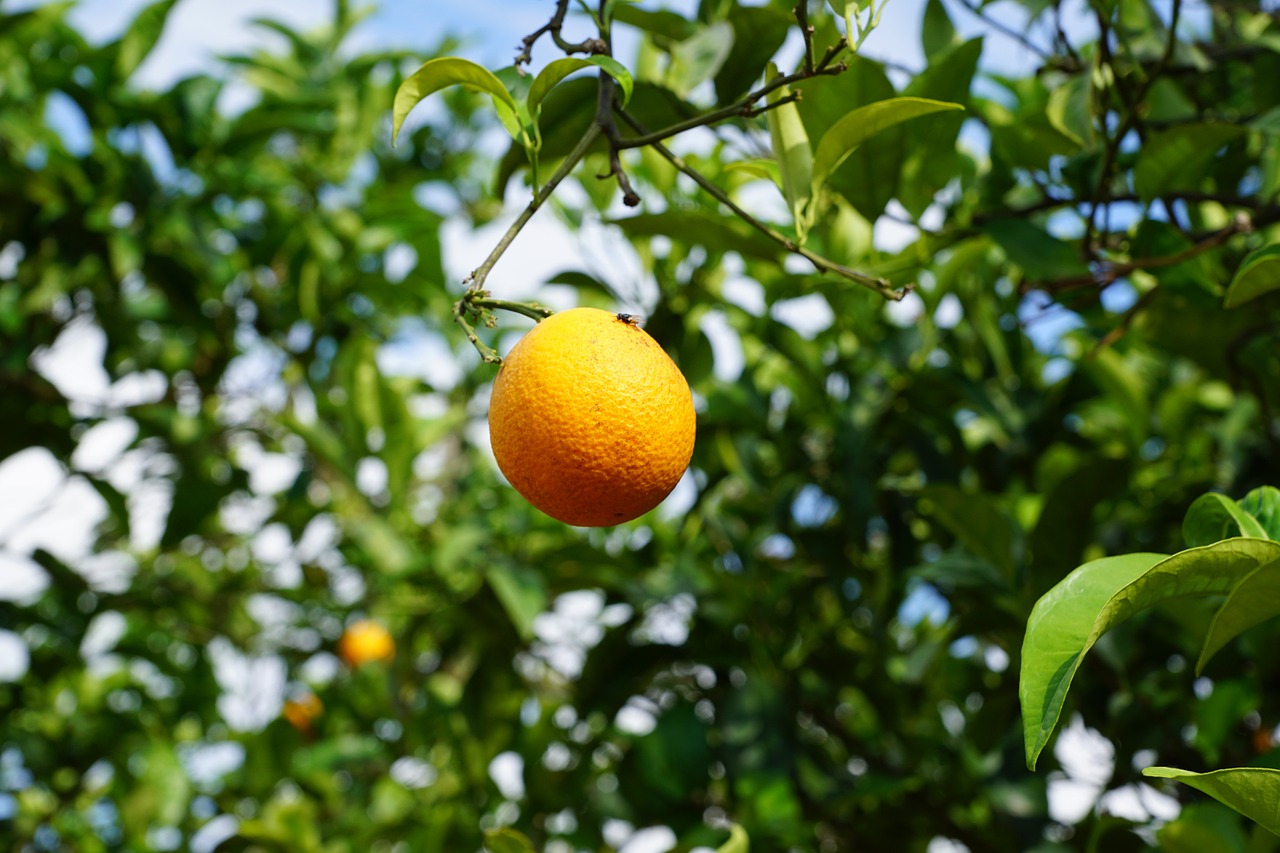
(629, 319)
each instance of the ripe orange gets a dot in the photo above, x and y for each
(365, 641)
(300, 712)
(590, 419)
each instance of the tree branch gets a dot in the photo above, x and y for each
(882, 286)
(591, 45)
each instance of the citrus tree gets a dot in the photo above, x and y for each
(950, 327)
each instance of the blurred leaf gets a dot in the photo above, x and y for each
(791, 149)
(1202, 828)
(1258, 274)
(937, 33)
(141, 36)
(738, 841)
(758, 34)
(974, 520)
(1252, 791)
(699, 57)
(507, 840)
(1041, 257)
(522, 593)
(1178, 158)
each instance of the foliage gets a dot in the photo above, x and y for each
(817, 639)
(1093, 599)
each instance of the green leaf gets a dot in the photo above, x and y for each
(758, 33)
(1263, 503)
(1178, 158)
(1252, 791)
(699, 57)
(861, 124)
(556, 71)
(791, 148)
(507, 840)
(1069, 619)
(977, 522)
(937, 32)
(1259, 274)
(1070, 110)
(1213, 516)
(522, 593)
(1040, 256)
(141, 36)
(437, 74)
(1253, 601)
(758, 167)
(1060, 630)
(1202, 828)
(738, 841)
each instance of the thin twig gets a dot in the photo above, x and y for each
(801, 12)
(882, 286)
(731, 111)
(478, 276)
(591, 45)
(1109, 272)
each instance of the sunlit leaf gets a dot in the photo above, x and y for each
(1252, 791)
(1263, 503)
(1069, 619)
(437, 74)
(792, 151)
(556, 71)
(738, 841)
(1254, 600)
(699, 57)
(848, 133)
(1214, 516)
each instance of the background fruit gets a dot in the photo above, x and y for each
(590, 419)
(365, 641)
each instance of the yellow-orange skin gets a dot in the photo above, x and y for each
(302, 711)
(590, 420)
(365, 641)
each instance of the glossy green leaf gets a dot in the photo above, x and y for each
(141, 36)
(1253, 601)
(1177, 158)
(1214, 516)
(507, 840)
(1259, 274)
(1069, 619)
(1061, 628)
(1252, 791)
(795, 157)
(1263, 503)
(437, 74)
(738, 841)
(856, 127)
(759, 167)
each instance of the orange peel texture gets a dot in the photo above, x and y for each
(591, 421)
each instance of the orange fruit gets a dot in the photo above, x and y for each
(302, 711)
(590, 420)
(365, 641)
